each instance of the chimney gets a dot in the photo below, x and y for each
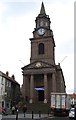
(7, 73)
(59, 64)
(13, 77)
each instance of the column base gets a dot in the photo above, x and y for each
(45, 100)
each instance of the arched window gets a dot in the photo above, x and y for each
(41, 48)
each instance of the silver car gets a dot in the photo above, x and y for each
(72, 113)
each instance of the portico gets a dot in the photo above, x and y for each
(38, 82)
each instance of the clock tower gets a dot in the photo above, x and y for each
(42, 76)
(42, 43)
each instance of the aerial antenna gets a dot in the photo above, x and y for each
(63, 59)
(21, 62)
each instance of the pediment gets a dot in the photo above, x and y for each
(38, 65)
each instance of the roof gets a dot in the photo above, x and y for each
(72, 95)
(9, 78)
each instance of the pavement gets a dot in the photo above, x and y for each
(27, 116)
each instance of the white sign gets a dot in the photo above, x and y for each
(63, 101)
(58, 101)
(52, 101)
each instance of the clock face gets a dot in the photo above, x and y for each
(38, 64)
(41, 31)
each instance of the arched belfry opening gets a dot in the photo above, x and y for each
(41, 48)
(42, 76)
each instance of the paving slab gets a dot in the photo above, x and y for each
(35, 116)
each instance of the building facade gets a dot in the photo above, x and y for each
(42, 76)
(73, 98)
(9, 91)
(2, 88)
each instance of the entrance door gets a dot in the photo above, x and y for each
(41, 95)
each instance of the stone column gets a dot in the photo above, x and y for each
(45, 88)
(53, 82)
(25, 86)
(31, 89)
(24, 93)
(61, 83)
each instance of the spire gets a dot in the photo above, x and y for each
(42, 11)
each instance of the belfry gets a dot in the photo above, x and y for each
(42, 76)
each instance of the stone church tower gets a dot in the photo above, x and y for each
(42, 76)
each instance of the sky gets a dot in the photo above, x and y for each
(17, 22)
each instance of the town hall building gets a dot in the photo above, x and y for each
(42, 76)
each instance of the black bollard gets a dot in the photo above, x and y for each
(39, 114)
(48, 113)
(17, 114)
(32, 115)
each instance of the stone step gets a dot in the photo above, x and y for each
(38, 107)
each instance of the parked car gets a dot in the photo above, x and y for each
(72, 113)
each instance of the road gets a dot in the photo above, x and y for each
(58, 118)
(35, 117)
(50, 118)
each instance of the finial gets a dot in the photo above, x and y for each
(42, 11)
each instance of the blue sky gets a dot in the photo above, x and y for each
(17, 22)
